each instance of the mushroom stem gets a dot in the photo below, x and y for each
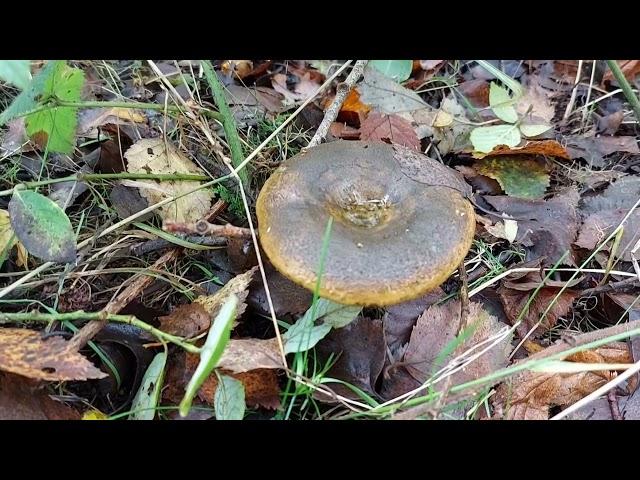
(342, 91)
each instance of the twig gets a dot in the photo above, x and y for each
(464, 297)
(88, 331)
(626, 87)
(203, 227)
(612, 398)
(161, 244)
(572, 100)
(228, 121)
(100, 317)
(621, 286)
(342, 91)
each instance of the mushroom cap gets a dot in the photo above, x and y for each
(401, 226)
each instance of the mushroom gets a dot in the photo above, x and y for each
(402, 223)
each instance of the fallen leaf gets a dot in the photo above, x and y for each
(353, 111)
(514, 302)
(507, 230)
(604, 212)
(30, 354)
(476, 91)
(630, 68)
(188, 321)
(449, 137)
(529, 395)
(304, 88)
(538, 99)
(261, 386)
(609, 124)
(550, 148)
(432, 344)
(127, 201)
(430, 64)
(42, 227)
(24, 399)
(519, 176)
(8, 238)
(400, 319)
(600, 409)
(389, 129)
(547, 228)
(15, 139)
(593, 149)
(386, 95)
(288, 298)
(237, 286)
(154, 155)
(344, 131)
(359, 354)
(243, 355)
(248, 104)
(241, 68)
(91, 118)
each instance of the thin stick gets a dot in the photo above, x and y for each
(342, 91)
(203, 227)
(574, 92)
(593, 74)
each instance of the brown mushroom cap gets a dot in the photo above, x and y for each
(401, 222)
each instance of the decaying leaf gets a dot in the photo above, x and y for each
(91, 118)
(519, 176)
(389, 129)
(593, 149)
(287, 297)
(261, 385)
(188, 320)
(549, 148)
(538, 100)
(514, 302)
(433, 343)
(237, 286)
(529, 395)
(8, 238)
(547, 227)
(359, 352)
(303, 89)
(31, 354)
(353, 110)
(249, 104)
(248, 354)
(24, 399)
(400, 319)
(604, 212)
(386, 95)
(154, 155)
(506, 229)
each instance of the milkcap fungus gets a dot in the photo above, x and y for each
(401, 225)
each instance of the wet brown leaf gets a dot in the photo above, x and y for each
(24, 399)
(547, 227)
(529, 395)
(609, 124)
(476, 91)
(359, 349)
(389, 129)
(187, 321)
(27, 353)
(438, 326)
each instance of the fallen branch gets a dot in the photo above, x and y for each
(203, 227)
(342, 91)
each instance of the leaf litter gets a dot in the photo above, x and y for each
(557, 189)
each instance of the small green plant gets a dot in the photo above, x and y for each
(233, 199)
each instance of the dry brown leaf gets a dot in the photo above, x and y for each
(438, 326)
(287, 297)
(538, 99)
(24, 399)
(154, 155)
(551, 225)
(237, 286)
(344, 131)
(550, 148)
(261, 385)
(515, 300)
(303, 89)
(92, 118)
(15, 139)
(353, 111)
(30, 354)
(249, 104)
(529, 395)
(247, 354)
(630, 68)
(476, 91)
(389, 129)
(593, 149)
(187, 321)
(604, 212)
